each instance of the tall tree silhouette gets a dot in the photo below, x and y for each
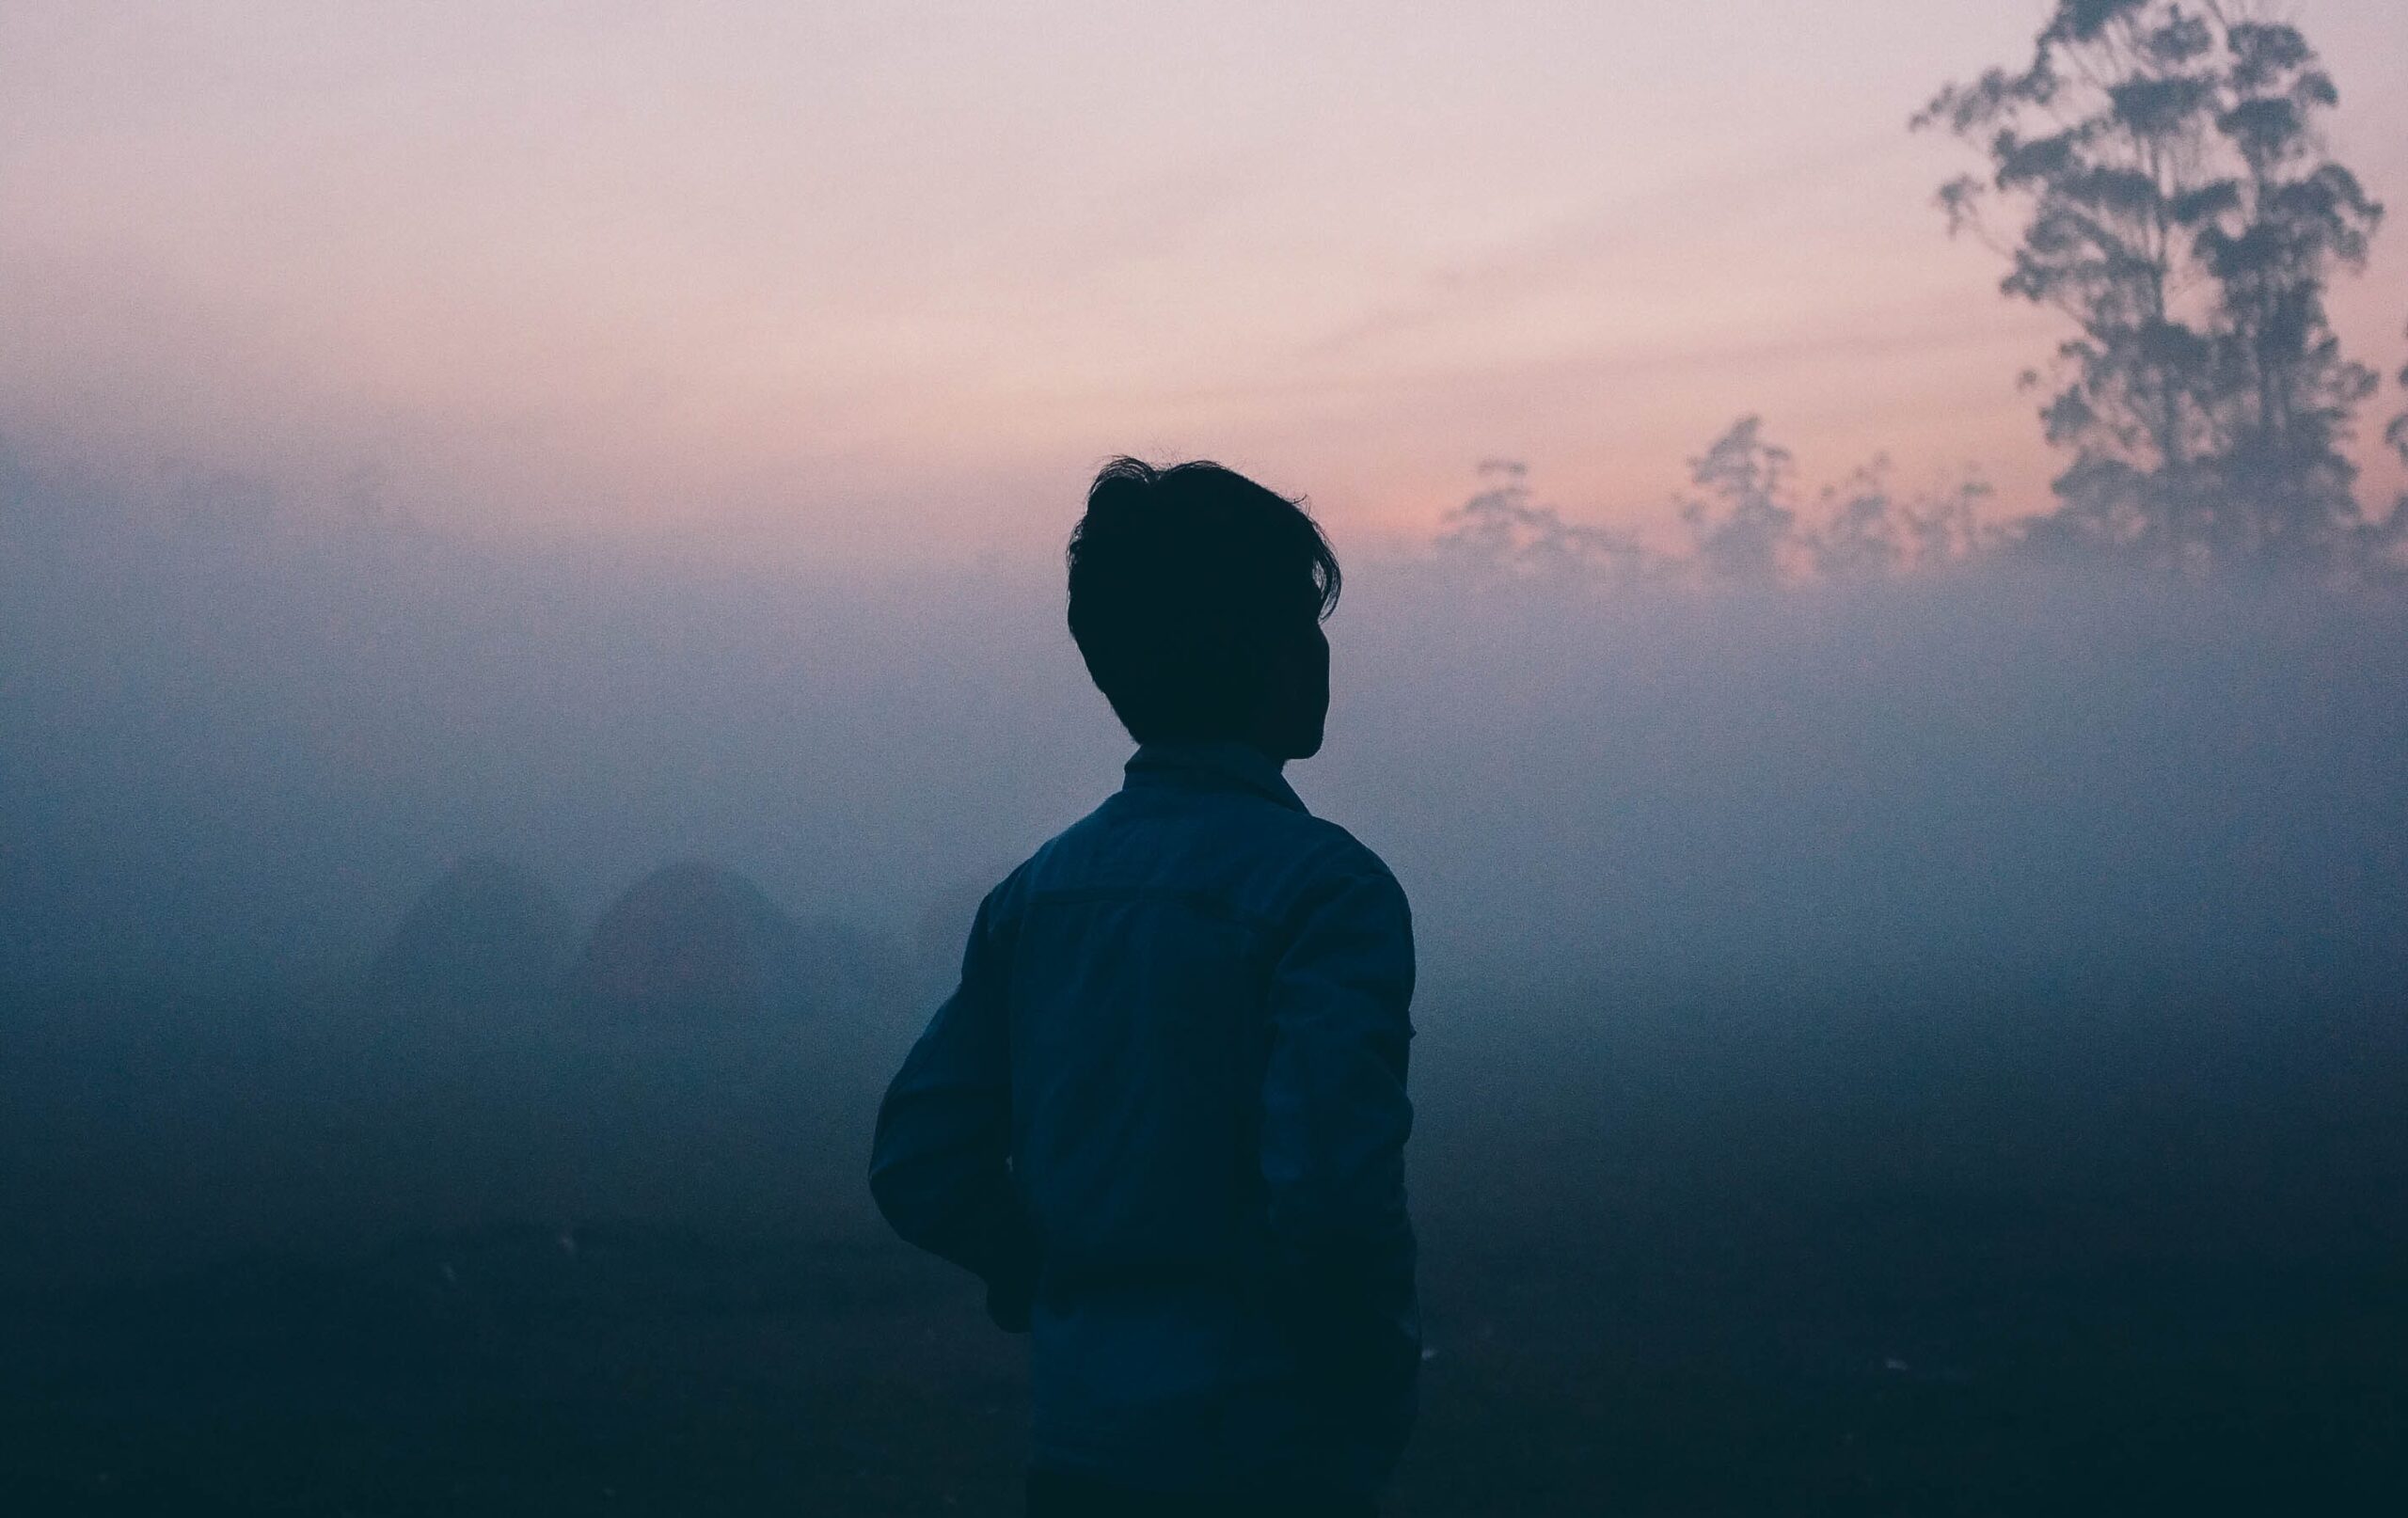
(2169, 193)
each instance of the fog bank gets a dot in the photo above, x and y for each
(234, 759)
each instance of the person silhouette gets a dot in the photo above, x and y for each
(1163, 1114)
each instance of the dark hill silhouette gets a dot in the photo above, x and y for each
(693, 941)
(486, 930)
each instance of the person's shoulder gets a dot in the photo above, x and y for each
(1333, 860)
(1336, 851)
(1342, 893)
(1049, 861)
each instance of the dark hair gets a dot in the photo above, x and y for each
(1183, 581)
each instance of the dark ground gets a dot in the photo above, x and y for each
(1741, 1252)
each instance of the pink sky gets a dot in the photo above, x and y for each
(869, 277)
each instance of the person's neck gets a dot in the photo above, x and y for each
(1267, 753)
(1264, 751)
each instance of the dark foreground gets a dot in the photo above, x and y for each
(2147, 1256)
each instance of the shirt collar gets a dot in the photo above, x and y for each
(1223, 764)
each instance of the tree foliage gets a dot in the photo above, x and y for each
(2158, 177)
(2386, 542)
(1500, 530)
(1749, 526)
(2397, 435)
(1746, 523)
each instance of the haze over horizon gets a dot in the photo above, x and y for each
(533, 618)
(841, 285)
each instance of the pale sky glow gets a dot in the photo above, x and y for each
(855, 276)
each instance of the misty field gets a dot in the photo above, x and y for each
(532, 609)
(1688, 1249)
(1930, 1047)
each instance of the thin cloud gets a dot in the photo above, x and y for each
(1575, 249)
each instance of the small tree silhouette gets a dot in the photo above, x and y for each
(1745, 524)
(1499, 531)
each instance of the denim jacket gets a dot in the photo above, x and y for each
(1163, 1117)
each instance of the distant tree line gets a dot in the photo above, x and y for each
(1746, 519)
(2158, 176)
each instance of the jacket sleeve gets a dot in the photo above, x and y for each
(941, 1165)
(1335, 1120)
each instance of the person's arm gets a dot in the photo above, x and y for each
(1334, 1119)
(941, 1164)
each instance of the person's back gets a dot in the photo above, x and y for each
(1163, 1113)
